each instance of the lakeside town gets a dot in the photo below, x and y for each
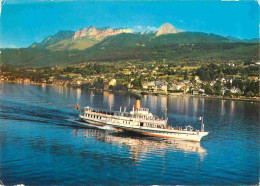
(222, 80)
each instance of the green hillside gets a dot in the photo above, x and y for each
(199, 53)
(124, 41)
(204, 52)
(188, 38)
(146, 40)
(74, 44)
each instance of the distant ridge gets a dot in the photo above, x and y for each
(60, 36)
(253, 40)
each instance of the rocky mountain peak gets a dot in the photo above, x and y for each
(100, 32)
(166, 28)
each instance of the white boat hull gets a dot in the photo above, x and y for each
(158, 132)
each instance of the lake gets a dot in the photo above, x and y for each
(43, 141)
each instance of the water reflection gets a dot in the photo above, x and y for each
(141, 145)
(78, 91)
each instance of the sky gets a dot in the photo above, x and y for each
(23, 22)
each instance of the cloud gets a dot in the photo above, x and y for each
(151, 28)
(139, 28)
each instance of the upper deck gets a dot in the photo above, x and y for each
(138, 114)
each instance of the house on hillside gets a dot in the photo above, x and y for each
(196, 78)
(234, 90)
(161, 86)
(112, 82)
(175, 86)
(223, 90)
(26, 81)
(145, 85)
(254, 78)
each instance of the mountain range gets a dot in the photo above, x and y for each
(166, 35)
(90, 36)
(113, 44)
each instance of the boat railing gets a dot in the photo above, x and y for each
(125, 114)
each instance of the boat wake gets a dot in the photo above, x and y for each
(107, 127)
(86, 124)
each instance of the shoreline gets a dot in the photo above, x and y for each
(139, 92)
(200, 96)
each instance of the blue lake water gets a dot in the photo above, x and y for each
(42, 140)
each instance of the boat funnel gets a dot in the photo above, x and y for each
(138, 103)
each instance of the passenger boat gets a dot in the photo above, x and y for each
(141, 121)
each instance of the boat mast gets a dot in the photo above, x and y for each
(202, 124)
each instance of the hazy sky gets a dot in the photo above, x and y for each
(23, 22)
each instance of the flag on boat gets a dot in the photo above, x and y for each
(200, 118)
(76, 106)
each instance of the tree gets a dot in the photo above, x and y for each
(218, 92)
(250, 94)
(228, 93)
(217, 88)
(229, 85)
(186, 75)
(238, 94)
(137, 83)
(168, 79)
(221, 74)
(209, 90)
